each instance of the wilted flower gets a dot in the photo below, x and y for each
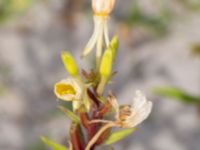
(102, 9)
(130, 116)
(126, 116)
(69, 89)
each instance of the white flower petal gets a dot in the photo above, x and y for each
(139, 100)
(140, 115)
(100, 40)
(106, 33)
(93, 40)
(115, 105)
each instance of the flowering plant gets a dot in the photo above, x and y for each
(85, 90)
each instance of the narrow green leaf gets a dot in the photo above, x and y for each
(70, 114)
(177, 94)
(119, 135)
(66, 104)
(52, 144)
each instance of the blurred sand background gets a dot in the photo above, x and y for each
(30, 46)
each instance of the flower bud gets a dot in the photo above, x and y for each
(70, 63)
(114, 45)
(103, 7)
(106, 64)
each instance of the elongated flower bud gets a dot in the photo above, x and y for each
(114, 46)
(70, 63)
(106, 64)
(105, 70)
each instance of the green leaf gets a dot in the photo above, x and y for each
(70, 114)
(37, 145)
(178, 94)
(52, 144)
(66, 104)
(119, 135)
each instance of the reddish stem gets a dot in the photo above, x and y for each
(77, 139)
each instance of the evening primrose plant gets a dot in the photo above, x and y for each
(95, 112)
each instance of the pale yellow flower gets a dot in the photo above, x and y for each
(69, 89)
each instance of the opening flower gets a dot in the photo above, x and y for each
(102, 9)
(68, 89)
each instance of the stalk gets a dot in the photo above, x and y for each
(101, 131)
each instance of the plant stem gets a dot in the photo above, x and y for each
(77, 139)
(101, 85)
(98, 134)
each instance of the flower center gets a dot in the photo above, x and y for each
(125, 111)
(64, 89)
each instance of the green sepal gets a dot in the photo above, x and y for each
(119, 135)
(52, 144)
(70, 114)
